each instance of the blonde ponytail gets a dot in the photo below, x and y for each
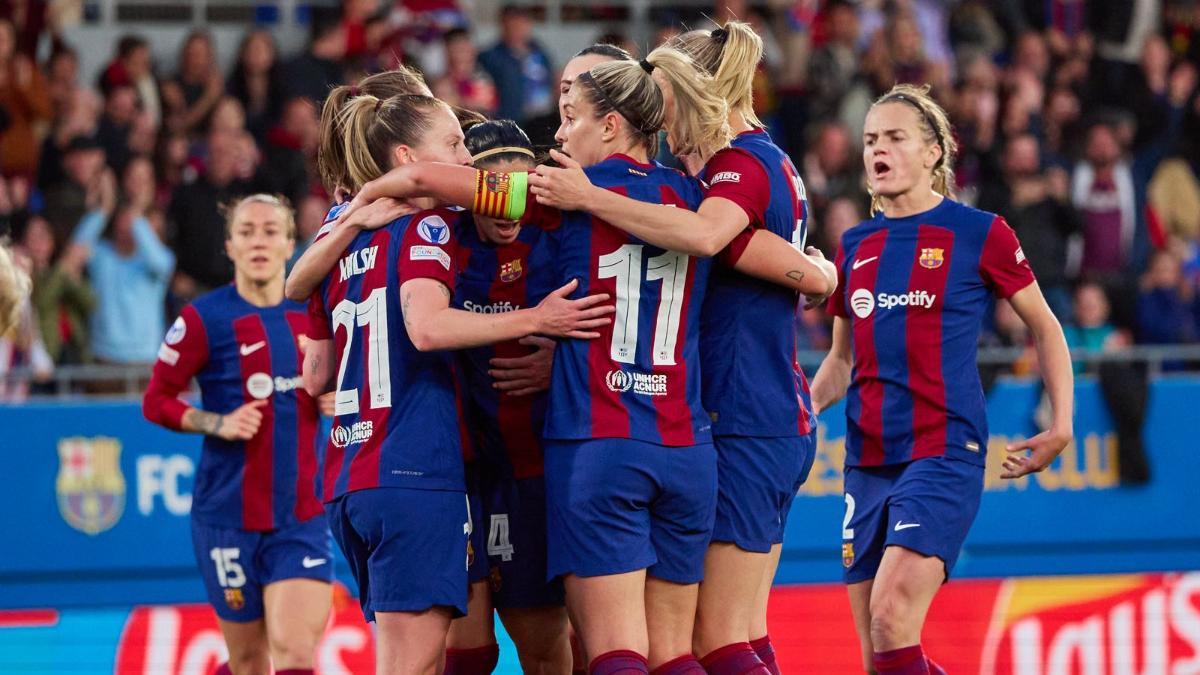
(731, 55)
(331, 158)
(701, 121)
(372, 127)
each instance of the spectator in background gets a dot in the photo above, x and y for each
(62, 79)
(228, 117)
(521, 70)
(256, 81)
(290, 153)
(465, 84)
(28, 18)
(197, 226)
(310, 216)
(313, 73)
(831, 168)
(138, 187)
(1121, 28)
(130, 268)
(24, 104)
(1036, 207)
(62, 299)
(834, 65)
(840, 215)
(66, 201)
(133, 67)
(189, 97)
(1093, 330)
(80, 116)
(116, 125)
(1164, 307)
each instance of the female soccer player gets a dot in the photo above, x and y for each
(630, 471)
(260, 538)
(915, 281)
(395, 499)
(502, 267)
(753, 388)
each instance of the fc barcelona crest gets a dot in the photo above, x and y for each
(235, 599)
(847, 554)
(90, 487)
(932, 258)
(510, 271)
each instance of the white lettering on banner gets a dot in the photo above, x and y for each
(1156, 632)
(492, 308)
(358, 262)
(158, 475)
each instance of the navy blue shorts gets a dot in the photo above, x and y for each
(926, 505)
(514, 525)
(757, 479)
(477, 561)
(407, 548)
(617, 505)
(810, 441)
(236, 564)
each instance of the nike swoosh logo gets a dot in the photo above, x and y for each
(312, 562)
(859, 263)
(247, 350)
(901, 525)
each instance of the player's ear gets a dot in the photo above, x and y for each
(402, 154)
(229, 247)
(932, 154)
(611, 125)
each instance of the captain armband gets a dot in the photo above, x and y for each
(500, 195)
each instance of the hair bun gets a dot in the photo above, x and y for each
(720, 35)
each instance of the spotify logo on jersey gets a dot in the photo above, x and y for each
(862, 302)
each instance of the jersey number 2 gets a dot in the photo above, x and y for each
(371, 313)
(625, 265)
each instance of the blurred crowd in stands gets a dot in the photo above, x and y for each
(1078, 122)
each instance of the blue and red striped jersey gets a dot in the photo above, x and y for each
(753, 385)
(396, 421)
(915, 291)
(641, 378)
(241, 353)
(506, 430)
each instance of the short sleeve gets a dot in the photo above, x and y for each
(318, 318)
(1002, 264)
(735, 175)
(428, 248)
(183, 353)
(836, 305)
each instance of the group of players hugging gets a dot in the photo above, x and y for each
(569, 393)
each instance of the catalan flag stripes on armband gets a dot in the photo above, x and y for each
(500, 195)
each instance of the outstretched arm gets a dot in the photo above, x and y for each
(703, 232)
(432, 324)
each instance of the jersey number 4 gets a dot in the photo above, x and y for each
(625, 265)
(371, 314)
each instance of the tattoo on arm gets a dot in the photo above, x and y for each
(796, 275)
(445, 291)
(404, 308)
(206, 422)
